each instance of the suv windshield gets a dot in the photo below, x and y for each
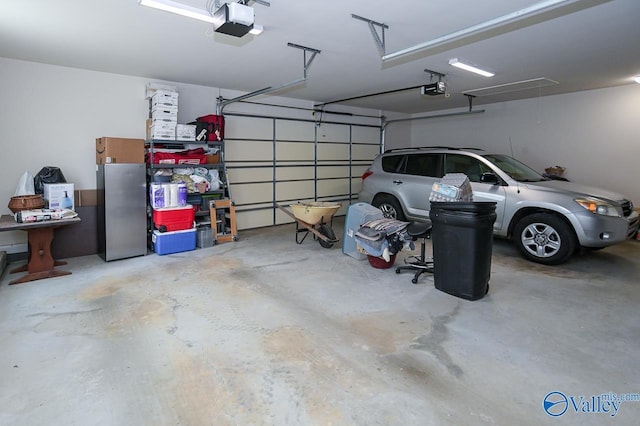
(515, 169)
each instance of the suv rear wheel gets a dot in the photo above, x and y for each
(544, 238)
(390, 207)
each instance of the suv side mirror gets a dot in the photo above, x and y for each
(489, 178)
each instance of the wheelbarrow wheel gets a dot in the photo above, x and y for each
(326, 230)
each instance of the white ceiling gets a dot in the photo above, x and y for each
(586, 44)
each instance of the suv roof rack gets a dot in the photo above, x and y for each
(432, 147)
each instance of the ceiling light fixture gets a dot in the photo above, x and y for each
(637, 79)
(459, 63)
(179, 9)
(256, 30)
(539, 12)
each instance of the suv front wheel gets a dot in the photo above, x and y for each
(544, 238)
(390, 207)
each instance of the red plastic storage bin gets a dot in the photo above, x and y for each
(174, 219)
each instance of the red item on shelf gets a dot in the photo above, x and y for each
(173, 219)
(191, 156)
(213, 125)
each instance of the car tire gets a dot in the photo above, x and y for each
(390, 207)
(544, 238)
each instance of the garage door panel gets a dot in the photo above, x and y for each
(294, 190)
(333, 133)
(331, 187)
(333, 152)
(294, 151)
(294, 130)
(245, 193)
(244, 150)
(333, 172)
(253, 219)
(356, 185)
(237, 176)
(364, 152)
(248, 128)
(282, 218)
(289, 173)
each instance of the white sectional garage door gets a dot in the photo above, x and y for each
(279, 160)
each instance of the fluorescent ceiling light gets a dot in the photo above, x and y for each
(468, 67)
(534, 83)
(637, 79)
(536, 13)
(179, 8)
(256, 30)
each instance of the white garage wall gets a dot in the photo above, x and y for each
(51, 116)
(594, 134)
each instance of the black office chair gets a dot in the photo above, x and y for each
(422, 264)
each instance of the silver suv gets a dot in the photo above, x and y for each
(547, 219)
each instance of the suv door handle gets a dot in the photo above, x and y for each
(397, 182)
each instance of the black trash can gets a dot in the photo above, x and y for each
(462, 238)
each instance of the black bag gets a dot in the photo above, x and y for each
(47, 174)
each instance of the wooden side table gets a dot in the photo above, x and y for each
(40, 235)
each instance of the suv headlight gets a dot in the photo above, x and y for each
(599, 207)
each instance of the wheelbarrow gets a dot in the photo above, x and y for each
(312, 217)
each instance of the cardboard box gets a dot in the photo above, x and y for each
(165, 128)
(162, 132)
(186, 132)
(59, 196)
(164, 116)
(152, 88)
(167, 109)
(163, 97)
(119, 150)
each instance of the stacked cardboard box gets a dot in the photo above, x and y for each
(164, 115)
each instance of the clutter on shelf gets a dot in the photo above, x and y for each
(41, 215)
(196, 179)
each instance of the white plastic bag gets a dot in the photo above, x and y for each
(25, 185)
(214, 182)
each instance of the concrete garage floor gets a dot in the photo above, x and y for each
(268, 332)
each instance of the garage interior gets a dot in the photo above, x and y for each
(266, 331)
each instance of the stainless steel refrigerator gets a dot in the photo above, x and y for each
(122, 210)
